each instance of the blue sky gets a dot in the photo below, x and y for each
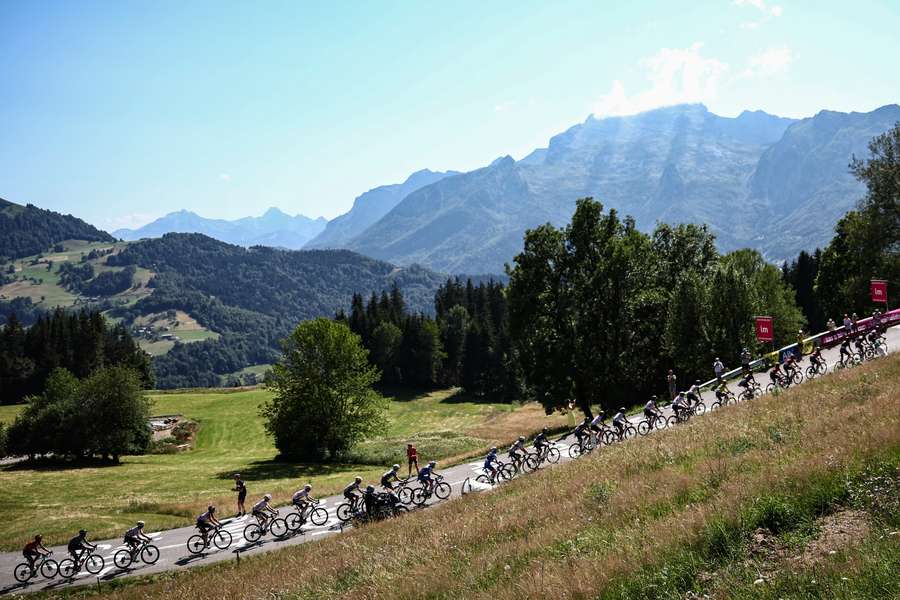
(119, 112)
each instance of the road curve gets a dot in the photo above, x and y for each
(172, 543)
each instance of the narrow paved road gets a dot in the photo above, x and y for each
(172, 543)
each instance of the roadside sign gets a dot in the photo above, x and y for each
(764, 330)
(878, 287)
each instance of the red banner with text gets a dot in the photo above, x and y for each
(878, 287)
(764, 331)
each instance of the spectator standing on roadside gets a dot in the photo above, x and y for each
(412, 456)
(241, 490)
(848, 324)
(671, 380)
(831, 325)
(719, 369)
(745, 360)
(853, 321)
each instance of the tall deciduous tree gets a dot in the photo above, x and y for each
(323, 401)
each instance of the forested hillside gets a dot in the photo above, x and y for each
(27, 230)
(252, 297)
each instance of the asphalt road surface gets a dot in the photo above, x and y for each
(172, 543)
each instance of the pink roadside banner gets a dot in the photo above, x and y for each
(888, 319)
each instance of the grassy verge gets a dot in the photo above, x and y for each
(649, 518)
(166, 490)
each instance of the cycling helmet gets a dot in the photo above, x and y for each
(307, 487)
(267, 497)
(38, 537)
(545, 429)
(587, 419)
(521, 438)
(358, 480)
(370, 488)
(697, 382)
(82, 532)
(237, 475)
(140, 523)
(622, 409)
(654, 398)
(493, 448)
(211, 508)
(432, 463)
(396, 467)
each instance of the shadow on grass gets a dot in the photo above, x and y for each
(275, 469)
(50, 463)
(460, 397)
(401, 393)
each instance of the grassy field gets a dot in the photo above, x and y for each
(167, 490)
(738, 504)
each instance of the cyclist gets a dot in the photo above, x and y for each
(777, 375)
(845, 351)
(581, 431)
(518, 446)
(619, 420)
(135, 536)
(745, 360)
(597, 421)
(679, 405)
(425, 476)
(540, 441)
(301, 499)
(489, 461)
(34, 549)
(207, 521)
(693, 394)
(388, 476)
(353, 491)
(721, 392)
(261, 510)
(860, 349)
(816, 357)
(790, 366)
(78, 545)
(747, 380)
(651, 412)
(370, 500)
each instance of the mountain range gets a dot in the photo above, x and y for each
(775, 184)
(274, 228)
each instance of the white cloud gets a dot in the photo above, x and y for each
(769, 62)
(224, 176)
(131, 221)
(751, 25)
(504, 106)
(676, 76)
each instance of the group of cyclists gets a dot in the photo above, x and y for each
(368, 503)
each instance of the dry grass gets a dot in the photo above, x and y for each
(574, 531)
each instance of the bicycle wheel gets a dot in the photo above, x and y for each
(49, 569)
(67, 568)
(405, 495)
(700, 408)
(553, 454)
(442, 490)
(195, 544)
(222, 539)
(575, 450)
(279, 528)
(771, 388)
(344, 512)
(400, 510)
(644, 427)
(483, 479)
(318, 516)
(419, 496)
(22, 572)
(94, 564)
(150, 554)
(123, 559)
(293, 521)
(253, 532)
(811, 372)
(506, 472)
(671, 421)
(532, 462)
(798, 377)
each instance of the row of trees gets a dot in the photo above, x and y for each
(104, 414)
(80, 342)
(466, 344)
(599, 310)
